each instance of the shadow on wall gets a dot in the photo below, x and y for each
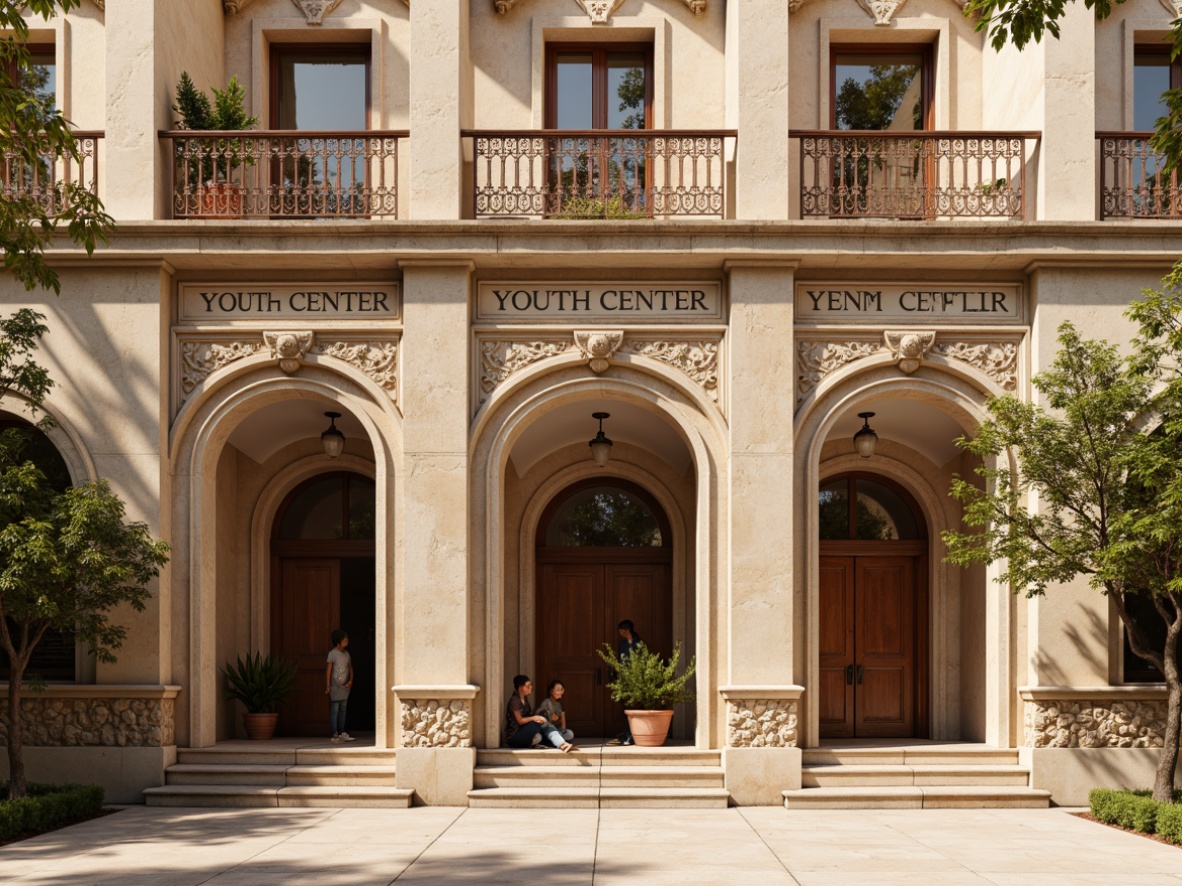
(1088, 632)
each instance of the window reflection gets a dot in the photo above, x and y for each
(336, 507)
(879, 91)
(880, 513)
(604, 516)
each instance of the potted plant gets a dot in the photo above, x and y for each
(648, 685)
(263, 685)
(208, 166)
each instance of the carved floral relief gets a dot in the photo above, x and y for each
(816, 360)
(500, 359)
(598, 346)
(996, 359)
(200, 359)
(882, 10)
(377, 359)
(697, 359)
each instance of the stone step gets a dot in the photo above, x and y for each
(602, 776)
(609, 756)
(919, 755)
(914, 797)
(592, 797)
(260, 795)
(209, 774)
(920, 775)
(239, 755)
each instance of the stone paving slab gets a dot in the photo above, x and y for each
(142, 846)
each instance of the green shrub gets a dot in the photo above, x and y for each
(48, 806)
(646, 680)
(1169, 821)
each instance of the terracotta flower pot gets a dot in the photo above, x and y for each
(649, 728)
(259, 727)
(220, 200)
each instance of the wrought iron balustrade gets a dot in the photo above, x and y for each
(914, 174)
(42, 180)
(599, 173)
(1131, 181)
(285, 174)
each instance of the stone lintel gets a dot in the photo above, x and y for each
(436, 693)
(1144, 691)
(742, 693)
(98, 690)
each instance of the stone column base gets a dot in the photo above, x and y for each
(438, 776)
(757, 776)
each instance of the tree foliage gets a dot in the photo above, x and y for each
(1021, 21)
(1096, 486)
(34, 137)
(874, 103)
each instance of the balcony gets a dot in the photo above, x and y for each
(914, 174)
(284, 174)
(599, 173)
(42, 181)
(1131, 182)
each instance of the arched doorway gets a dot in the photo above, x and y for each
(604, 554)
(323, 577)
(873, 602)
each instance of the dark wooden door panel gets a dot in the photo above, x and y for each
(885, 639)
(308, 608)
(836, 646)
(570, 617)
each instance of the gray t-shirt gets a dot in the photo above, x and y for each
(551, 710)
(340, 661)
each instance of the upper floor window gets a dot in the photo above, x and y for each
(1153, 74)
(320, 87)
(41, 76)
(598, 87)
(881, 88)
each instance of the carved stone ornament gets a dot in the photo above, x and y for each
(996, 359)
(377, 359)
(908, 347)
(500, 359)
(200, 359)
(233, 7)
(600, 11)
(289, 348)
(101, 4)
(761, 723)
(316, 10)
(794, 5)
(697, 359)
(430, 723)
(882, 10)
(1173, 7)
(815, 360)
(598, 346)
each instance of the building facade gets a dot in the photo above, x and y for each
(464, 227)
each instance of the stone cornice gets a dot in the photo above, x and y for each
(742, 693)
(313, 9)
(99, 690)
(436, 693)
(1145, 691)
(598, 11)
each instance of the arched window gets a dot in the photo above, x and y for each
(334, 507)
(604, 515)
(860, 507)
(55, 656)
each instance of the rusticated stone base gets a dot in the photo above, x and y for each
(1080, 723)
(761, 723)
(427, 723)
(94, 722)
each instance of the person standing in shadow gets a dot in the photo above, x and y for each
(627, 643)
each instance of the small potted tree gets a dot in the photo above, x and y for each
(648, 685)
(264, 685)
(208, 166)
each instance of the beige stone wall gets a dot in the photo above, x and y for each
(93, 722)
(1095, 723)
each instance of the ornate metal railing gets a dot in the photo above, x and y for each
(599, 173)
(285, 174)
(923, 175)
(43, 179)
(1131, 182)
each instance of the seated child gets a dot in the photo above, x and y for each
(551, 709)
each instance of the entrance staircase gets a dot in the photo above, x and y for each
(921, 776)
(283, 772)
(601, 776)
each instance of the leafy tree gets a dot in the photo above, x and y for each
(35, 136)
(874, 103)
(67, 558)
(1108, 494)
(1021, 21)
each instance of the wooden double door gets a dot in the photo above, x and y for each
(312, 597)
(581, 596)
(872, 630)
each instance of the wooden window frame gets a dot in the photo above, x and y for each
(599, 53)
(628, 486)
(927, 81)
(277, 50)
(322, 546)
(851, 478)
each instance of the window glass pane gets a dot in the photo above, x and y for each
(316, 511)
(42, 77)
(39, 449)
(574, 99)
(323, 91)
(604, 516)
(1151, 78)
(1145, 615)
(362, 508)
(834, 503)
(625, 90)
(882, 514)
(879, 91)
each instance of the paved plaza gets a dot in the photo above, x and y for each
(142, 846)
